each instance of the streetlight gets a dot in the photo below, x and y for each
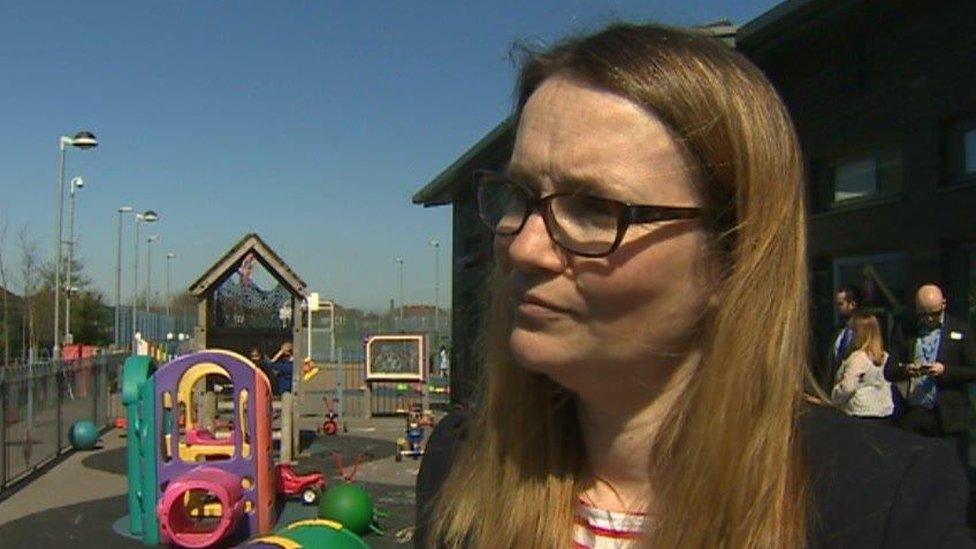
(399, 260)
(437, 260)
(118, 275)
(148, 216)
(149, 241)
(76, 183)
(82, 140)
(169, 298)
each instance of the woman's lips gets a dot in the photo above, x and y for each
(536, 308)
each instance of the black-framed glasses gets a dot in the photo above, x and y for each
(584, 225)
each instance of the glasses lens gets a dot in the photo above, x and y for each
(501, 204)
(585, 224)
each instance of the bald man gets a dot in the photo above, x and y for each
(937, 356)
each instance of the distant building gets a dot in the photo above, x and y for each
(882, 95)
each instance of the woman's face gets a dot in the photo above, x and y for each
(580, 319)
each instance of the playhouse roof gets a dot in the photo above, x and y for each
(228, 264)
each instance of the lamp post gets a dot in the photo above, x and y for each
(118, 276)
(148, 216)
(149, 241)
(437, 260)
(399, 260)
(169, 298)
(76, 183)
(82, 140)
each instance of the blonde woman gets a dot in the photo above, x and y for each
(861, 389)
(647, 340)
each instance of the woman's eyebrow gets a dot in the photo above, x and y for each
(577, 184)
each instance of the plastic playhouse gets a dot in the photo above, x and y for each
(190, 485)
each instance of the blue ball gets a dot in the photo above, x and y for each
(83, 435)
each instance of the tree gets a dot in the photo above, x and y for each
(29, 263)
(92, 320)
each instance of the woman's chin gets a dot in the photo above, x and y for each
(544, 353)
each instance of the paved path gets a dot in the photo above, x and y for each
(76, 503)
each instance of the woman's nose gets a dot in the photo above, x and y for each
(533, 249)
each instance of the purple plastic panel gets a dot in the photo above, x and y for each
(243, 377)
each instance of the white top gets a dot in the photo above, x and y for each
(860, 388)
(597, 528)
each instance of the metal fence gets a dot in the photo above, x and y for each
(39, 403)
(342, 386)
(152, 325)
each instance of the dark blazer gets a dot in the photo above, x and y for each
(871, 485)
(833, 360)
(957, 353)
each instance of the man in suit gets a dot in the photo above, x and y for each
(847, 299)
(938, 357)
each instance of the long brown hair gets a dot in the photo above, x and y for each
(867, 336)
(730, 450)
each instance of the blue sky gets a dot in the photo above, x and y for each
(310, 123)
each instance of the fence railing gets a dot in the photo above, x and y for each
(343, 387)
(39, 403)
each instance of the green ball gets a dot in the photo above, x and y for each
(349, 505)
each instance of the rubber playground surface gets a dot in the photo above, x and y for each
(81, 502)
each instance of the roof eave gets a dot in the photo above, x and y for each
(439, 191)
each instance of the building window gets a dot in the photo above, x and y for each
(854, 179)
(960, 147)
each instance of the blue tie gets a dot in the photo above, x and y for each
(845, 340)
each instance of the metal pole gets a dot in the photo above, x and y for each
(399, 261)
(168, 297)
(332, 349)
(437, 329)
(135, 282)
(149, 242)
(339, 388)
(56, 352)
(118, 277)
(308, 352)
(71, 258)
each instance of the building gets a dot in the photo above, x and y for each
(882, 95)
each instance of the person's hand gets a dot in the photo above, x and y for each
(914, 370)
(936, 369)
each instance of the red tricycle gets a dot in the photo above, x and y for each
(308, 487)
(331, 424)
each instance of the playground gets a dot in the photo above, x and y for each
(81, 502)
(219, 443)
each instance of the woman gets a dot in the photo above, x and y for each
(861, 389)
(647, 341)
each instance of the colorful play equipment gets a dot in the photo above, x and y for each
(189, 485)
(331, 425)
(350, 505)
(310, 534)
(412, 443)
(307, 487)
(83, 435)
